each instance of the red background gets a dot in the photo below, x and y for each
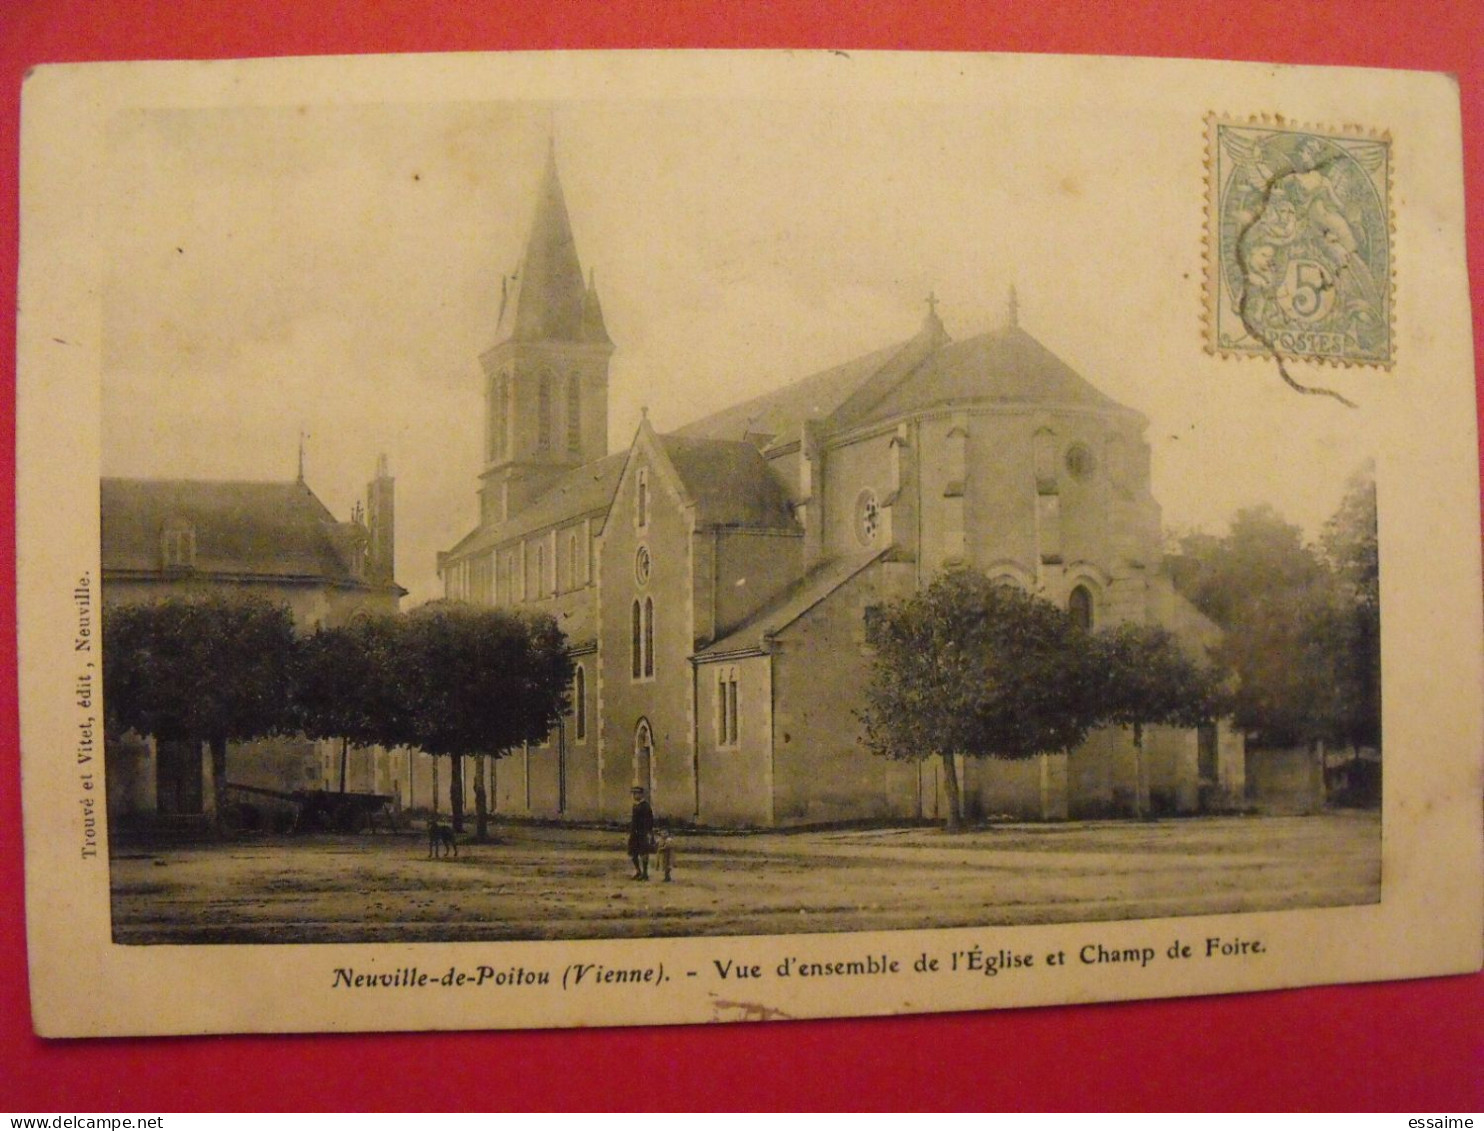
(1413, 1046)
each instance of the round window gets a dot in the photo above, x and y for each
(1080, 462)
(641, 565)
(867, 517)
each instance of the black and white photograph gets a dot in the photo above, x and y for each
(703, 538)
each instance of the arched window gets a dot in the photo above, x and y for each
(543, 412)
(540, 571)
(726, 707)
(636, 643)
(574, 413)
(573, 577)
(1079, 606)
(506, 443)
(579, 704)
(496, 446)
(178, 545)
(1043, 454)
(641, 498)
(649, 636)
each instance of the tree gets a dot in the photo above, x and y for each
(1349, 544)
(968, 666)
(1142, 678)
(209, 670)
(350, 684)
(484, 681)
(1273, 598)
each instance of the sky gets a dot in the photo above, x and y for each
(334, 270)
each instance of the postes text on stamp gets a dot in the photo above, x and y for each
(1298, 243)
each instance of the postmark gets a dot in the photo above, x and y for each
(1299, 256)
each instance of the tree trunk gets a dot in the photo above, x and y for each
(456, 792)
(950, 781)
(218, 779)
(344, 757)
(1317, 787)
(481, 798)
(1139, 787)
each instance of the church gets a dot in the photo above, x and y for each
(717, 583)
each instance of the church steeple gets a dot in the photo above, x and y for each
(549, 301)
(546, 378)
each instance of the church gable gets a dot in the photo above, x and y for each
(729, 484)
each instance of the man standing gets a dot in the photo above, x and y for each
(641, 834)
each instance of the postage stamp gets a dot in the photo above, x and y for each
(1298, 243)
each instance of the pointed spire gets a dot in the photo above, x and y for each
(549, 299)
(1012, 310)
(301, 455)
(593, 328)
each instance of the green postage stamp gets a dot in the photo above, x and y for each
(1298, 243)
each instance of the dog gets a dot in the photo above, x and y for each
(441, 841)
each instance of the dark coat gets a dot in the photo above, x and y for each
(641, 829)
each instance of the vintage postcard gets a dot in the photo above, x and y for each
(604, 539)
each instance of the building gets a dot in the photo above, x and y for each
(716, 583)
(170, 538)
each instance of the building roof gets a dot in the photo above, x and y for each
(1006, 367)
(274, 531)
(580, 491)
(781, 413)
(545, 298)
(730, 483)
(791, 604)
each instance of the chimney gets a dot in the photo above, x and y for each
(381, 556)
(810, 507)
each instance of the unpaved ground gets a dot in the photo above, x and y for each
(573, 883)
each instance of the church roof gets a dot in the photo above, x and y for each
(781, 413)
(273, 531)
(791, 604)
(730, 483)
(580, 491)
(1007, 367)
(546, 298)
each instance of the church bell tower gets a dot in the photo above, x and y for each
(546, 379)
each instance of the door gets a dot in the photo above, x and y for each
(644, 756)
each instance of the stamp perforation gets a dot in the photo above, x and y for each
(1335, 259)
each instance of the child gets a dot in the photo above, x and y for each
(664, 851)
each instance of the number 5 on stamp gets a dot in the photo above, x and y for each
(1298, 243)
